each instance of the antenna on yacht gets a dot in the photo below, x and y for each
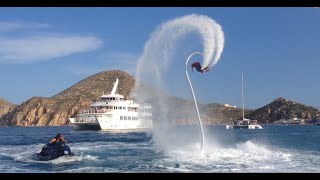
(194, 98)
(115, 85)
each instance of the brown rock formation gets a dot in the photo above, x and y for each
(56, 110)
(282, 108)
(5, 107)
(40, 111)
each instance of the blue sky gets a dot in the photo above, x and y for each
(45, 50)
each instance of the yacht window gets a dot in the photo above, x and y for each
(120, 107)
(121, 117)
(129, 117)
(125, 117)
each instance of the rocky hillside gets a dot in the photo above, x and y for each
(41, 111)
(181, 111)
(282, 108)
(5, 107)
(55, 110)
(220, 114)
(184, 112)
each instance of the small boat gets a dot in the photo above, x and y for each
(244, 124)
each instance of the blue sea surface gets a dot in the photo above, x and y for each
(276, 148)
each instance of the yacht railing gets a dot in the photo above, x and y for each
(94, 111)
(84, 120)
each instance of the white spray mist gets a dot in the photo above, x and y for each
(154, 63)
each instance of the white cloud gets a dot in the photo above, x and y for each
(42, 48)
(26, 42)
(20, 25)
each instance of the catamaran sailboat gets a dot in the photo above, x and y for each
(244, 123)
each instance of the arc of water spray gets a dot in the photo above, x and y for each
(194, 97)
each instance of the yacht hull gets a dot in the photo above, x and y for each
(86, 126)
(115, 123)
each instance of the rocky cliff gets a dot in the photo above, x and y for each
(40, 111)
(5, 107)
(181, 111)
(56, 110)
(282, 108)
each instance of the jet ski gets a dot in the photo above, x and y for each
(54, 151)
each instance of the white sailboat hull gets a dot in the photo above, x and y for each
(244, 126)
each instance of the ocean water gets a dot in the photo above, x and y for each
(275, 148)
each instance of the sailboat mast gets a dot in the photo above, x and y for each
(242, 96)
